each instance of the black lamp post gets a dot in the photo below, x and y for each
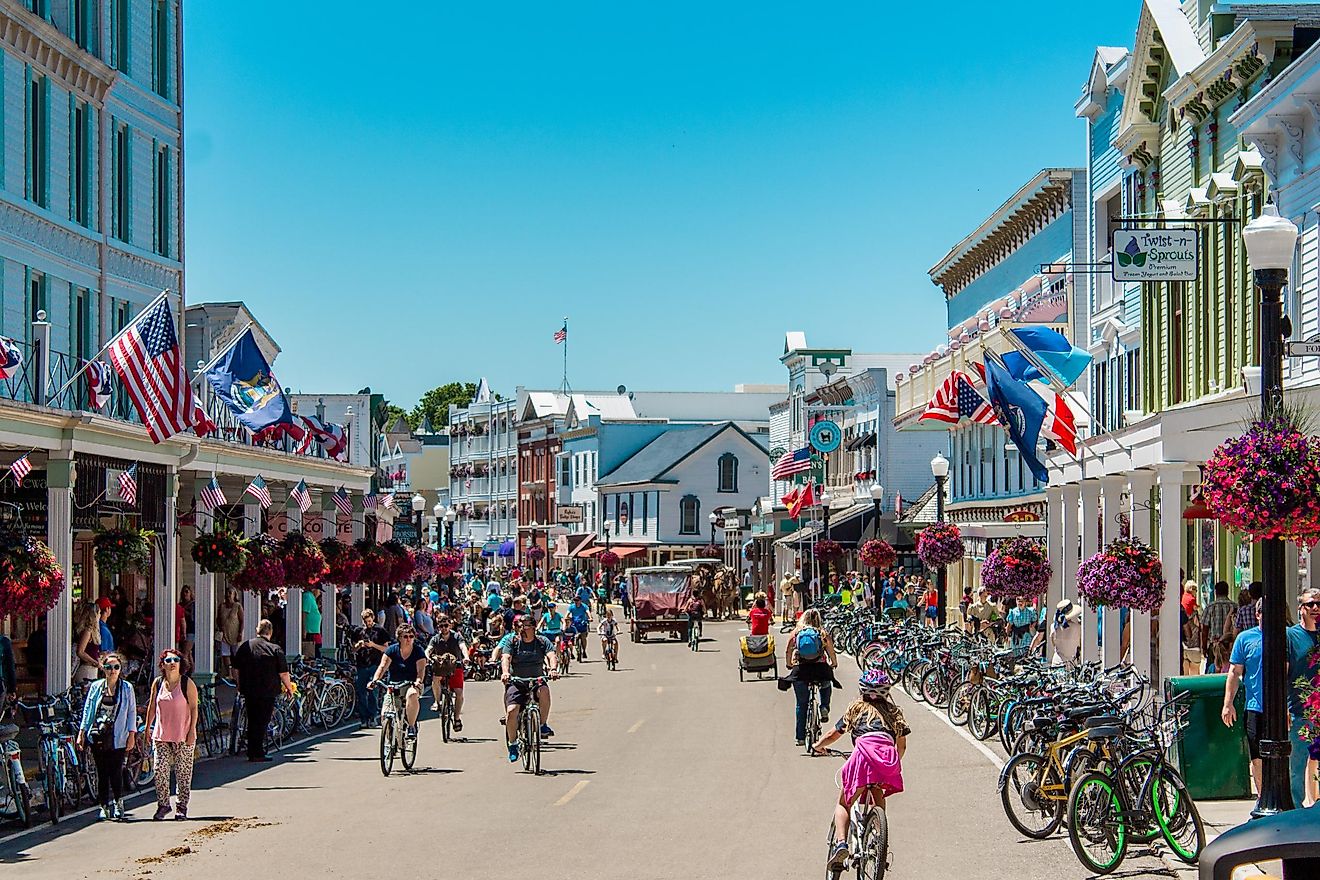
(1270, 241)
(450, 516)
(877, 496)
(939, 468)
(713, 519)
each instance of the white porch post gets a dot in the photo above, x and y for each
(251, 601)
(359, 590)
(1111, 636)
(293, 622)
(1171, 477)
(1090, 514)
(1070, 559)
(1054, 546)
(167, 574)
(1141, 483)
(203, 599)
(59, 537)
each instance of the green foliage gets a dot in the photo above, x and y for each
(435, 403)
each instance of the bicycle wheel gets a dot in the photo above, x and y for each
(1176, 814)
(237, 727)
(88, 774)
(54, 791)
(534, 747)
(409, 751)
(980, 717)
(829, 848)
(21, 796)
(1031, 793)
(933, 689)
(386, 745)
(1142, 827)
(912, 678)
(813, 723)
(873, 856)
(446, 716)
(960, 703)
(1096, 828)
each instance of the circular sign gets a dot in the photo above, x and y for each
(825, 436)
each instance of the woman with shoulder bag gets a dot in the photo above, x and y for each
(172, 720)
(109, 725)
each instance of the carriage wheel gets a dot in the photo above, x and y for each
(742, 677)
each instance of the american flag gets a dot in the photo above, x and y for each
(369, 502)
(20, 469)
(211, 495)
(128, 485)
(957, 399)
(561, 335)
(300, 494)
(11, 358)
(387, 501)
(791, 463)
(98, 384)
(343, 502)
(148, 359)
(259, 490)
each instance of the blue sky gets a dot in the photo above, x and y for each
(414, 198)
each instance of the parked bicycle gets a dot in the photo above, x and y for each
(16, 796)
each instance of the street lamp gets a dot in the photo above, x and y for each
(450, 516)
(826, 500)
(877, 495)
(418, 505)
(1271, 241)
(713, 519)
(939, 468)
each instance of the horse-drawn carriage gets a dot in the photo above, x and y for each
(715, 584)
(659, 596)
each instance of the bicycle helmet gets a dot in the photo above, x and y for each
(875, 682)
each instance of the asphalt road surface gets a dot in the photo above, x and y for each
(667, 768)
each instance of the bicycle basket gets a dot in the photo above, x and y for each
(1171, 727)
(41, 712)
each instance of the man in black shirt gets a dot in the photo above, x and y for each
(447, 642)
(261, 670)
(369, 643)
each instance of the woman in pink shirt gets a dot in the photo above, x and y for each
(172, 720)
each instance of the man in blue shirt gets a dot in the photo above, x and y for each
(1245, 669)
(104, 606)
(579, 623)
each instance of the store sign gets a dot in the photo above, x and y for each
(1155, 254)
(825, 437)
(623, 514)
(29, 499)
(568, 513)
(1018, 516)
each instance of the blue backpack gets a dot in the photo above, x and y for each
(809, 643)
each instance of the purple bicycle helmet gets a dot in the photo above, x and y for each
(875, 682)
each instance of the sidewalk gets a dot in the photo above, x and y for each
(1218, 817)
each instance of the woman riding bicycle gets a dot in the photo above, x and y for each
(609, 635)
(811, 662)
(879, 735)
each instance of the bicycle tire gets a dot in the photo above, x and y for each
(1020, 785)
(872, 861)
(980, 718)
(1095, 815)
(932, 687)
(1133, 777)
(22, 797)
(912, 679)
(829, 847)
(959, 706)
(535, 749)
(54, 792)
(408, 753)
(386, 745)
(446, 716)
(237, 726)
(813, 722)
(1180, 820)
(88, 774)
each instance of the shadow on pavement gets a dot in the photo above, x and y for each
(545, 772)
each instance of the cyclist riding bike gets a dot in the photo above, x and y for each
(579, 624)
(552, 623)
(405, 663)
(447, 642)
(525, 655)
(609, 634)
(879, 735)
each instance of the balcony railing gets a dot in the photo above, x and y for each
(915, 391)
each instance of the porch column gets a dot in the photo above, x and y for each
(1090, 514)
(203, 596)
(59, 537)
(251, 601)
(1054, 546)
(167, 573)
(293, 622)
(1171, 480)
(329, 592)
(1140, 484)
(359, 590)
(1069, 558)
(1111, 634)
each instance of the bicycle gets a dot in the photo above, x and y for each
(446, 709)
(609, 648)
(868, 839)
(16, 796)
(57, 758)
(394, 739)
(210, 725)
(529, 726)
(813, 717)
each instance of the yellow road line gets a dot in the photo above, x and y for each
(637, 726)
(572, 793)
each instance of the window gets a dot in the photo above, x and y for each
(161, 201)
(82, 323)
(122, 183)
(119, 24)
(632, 508)
(646, 509)
(689, 516)
(565, 476)
(38, 139)
(36, 297)
(82, 24)
(160, 48)
(80, 158)
(39, 7)
(728, 472)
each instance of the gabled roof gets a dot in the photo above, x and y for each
(653, 461)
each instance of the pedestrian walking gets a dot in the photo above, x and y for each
(228, 628)
(172, 720)
(109, 727)
(369, 643)
(1217, 629)
(262, 671)
(311, 609)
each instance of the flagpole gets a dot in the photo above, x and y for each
(564, 385)
(129, 326)
(201, 371)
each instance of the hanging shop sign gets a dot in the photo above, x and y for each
(825, 436)
(1155, 254)
(1016, 516)
(568, 513)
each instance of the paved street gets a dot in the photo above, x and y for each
(669, 767)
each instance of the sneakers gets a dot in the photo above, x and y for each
(104, 814)
(801, 743)
(838, 856)
(435, 705)
(513, 753)
(181, 814)
(824, 715)
(162, 811)
(411, 732)
(119, 810)
(546, 731)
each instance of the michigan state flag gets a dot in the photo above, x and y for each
(244, 381)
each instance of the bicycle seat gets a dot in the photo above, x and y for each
(1105, 732)
(1102, 721)
(8, 731)
(1084, 711)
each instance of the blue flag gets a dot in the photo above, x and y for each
(1021, 410)
(244, 381)
(1065, 361)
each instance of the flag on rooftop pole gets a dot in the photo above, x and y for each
(212, 496)
(300, 494)
(259, 490)
(20, 469)
(149, 360)
(561, 335)
(128, 487)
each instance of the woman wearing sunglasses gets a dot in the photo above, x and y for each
(109, 725)
(172, 720)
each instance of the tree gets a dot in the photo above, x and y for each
(435, 403)
(391, 414)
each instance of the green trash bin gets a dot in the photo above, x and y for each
(1214, 759)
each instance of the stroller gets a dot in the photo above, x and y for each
(758, 655)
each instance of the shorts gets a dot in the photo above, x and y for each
(517, 692)
(226, 649)
(456, 679)
(1253, 722)
(932, 612)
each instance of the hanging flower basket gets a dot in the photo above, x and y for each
(30, 579)
(1125, 574)
(377, 563)
(119, 550)
(304, 563)
(1310, 694)
(343, 560)
(1016, 569)
(1265, 483)
(877, 554)
(608, 558)
(712, 551)
(264, 570)
(448, 562)
(940, 544)
(827, 550)
(401, 562)
(536, 554)
(220, 552)
(424, 562)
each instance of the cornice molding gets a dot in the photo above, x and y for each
(41, 44)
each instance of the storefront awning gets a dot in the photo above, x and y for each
(508, 548)
(867, 439)
(625, 552)
(573, 544)
(622, 550)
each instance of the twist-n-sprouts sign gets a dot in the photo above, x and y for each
(1155, 254)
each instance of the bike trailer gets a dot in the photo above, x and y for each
(757, 655)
